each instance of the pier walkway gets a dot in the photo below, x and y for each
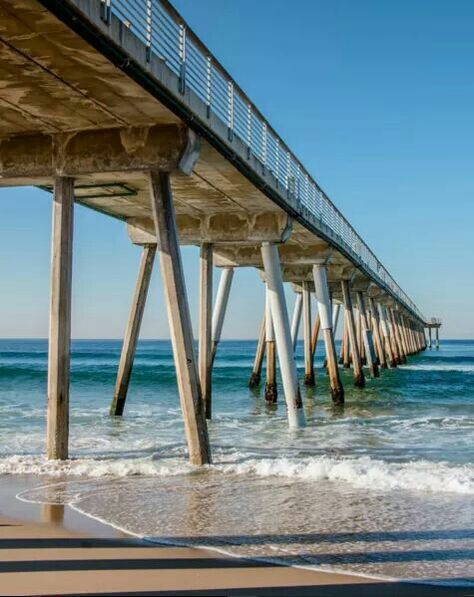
(118, 106)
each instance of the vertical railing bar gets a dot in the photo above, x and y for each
(182, 58)
(230, 110)
(209, 85)
(149, 28)
(264, 143)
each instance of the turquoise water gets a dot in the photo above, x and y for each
(382, 487)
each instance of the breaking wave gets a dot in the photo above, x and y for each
(362, 473)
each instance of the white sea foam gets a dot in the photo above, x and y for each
(362, 473)
(365, 472)
(91, 467)
(441, 367)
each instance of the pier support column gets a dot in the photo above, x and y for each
(286, 357)
(179, 318)
(60, 319)
(393, 341)
(410, 334)
(401, 335)
(308, 354)
(359, 379)
(132, 331)
(423, 337)
(430, 343)
(396, 335)
(271, 390)
(220, 308)
(360, 337)
(315, 335)
(324, 311)
(346, 360)
(205, 326)
(296, 319)
(376, 334)
(367, 336)
(259, 354)
(336, 309)
(437, 338)
(386, 337)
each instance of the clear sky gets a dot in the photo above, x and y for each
(376, 98)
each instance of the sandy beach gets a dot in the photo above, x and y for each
(53, 550)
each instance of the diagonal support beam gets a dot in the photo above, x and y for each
(179, 318)
(296, 319)
(220, 308)
(259, 354)
(132, 332)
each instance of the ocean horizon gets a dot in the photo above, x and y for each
(382, 487)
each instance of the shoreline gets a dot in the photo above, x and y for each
(219, 573)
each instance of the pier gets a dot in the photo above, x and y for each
(117, 105)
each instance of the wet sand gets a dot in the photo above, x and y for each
(53, 550)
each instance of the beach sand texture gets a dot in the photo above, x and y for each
(53, 550)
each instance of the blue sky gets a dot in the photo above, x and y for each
(375, 98)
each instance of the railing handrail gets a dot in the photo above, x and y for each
(166, 34)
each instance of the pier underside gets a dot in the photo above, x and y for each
(59, 97)
(77, 124)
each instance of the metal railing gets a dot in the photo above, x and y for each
(165, 34)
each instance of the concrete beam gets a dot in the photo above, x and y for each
(224, 228)
(26, 158)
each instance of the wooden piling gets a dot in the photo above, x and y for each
(396, 335)
(132, 331)
(259, 354)
(324, 311)
(281, 323)
(315, 335)
(205, 326)
(60, 319)
(271, 390)
(295, 322)
(220, 308)
(179, 318)
(386, 336)
(346, 361)
(308, 353)
(367, 337)
(393, 340)
(376, 334)
(360, 336)
(359, 379)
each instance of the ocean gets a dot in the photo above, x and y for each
(383, 487)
